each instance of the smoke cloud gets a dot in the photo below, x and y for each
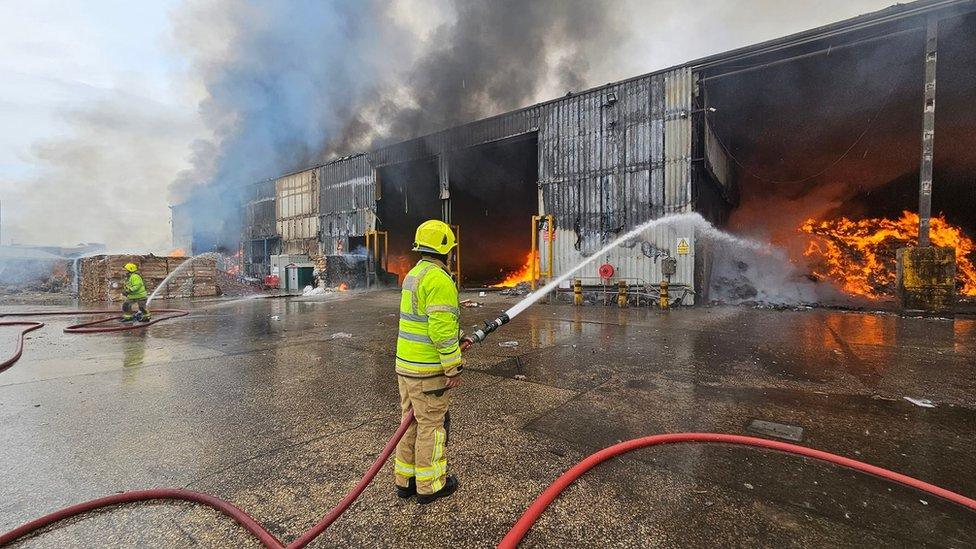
(101, 180)
(295, 83)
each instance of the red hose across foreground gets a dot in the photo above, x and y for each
(521, 527)
(242, 518)
(532, 514)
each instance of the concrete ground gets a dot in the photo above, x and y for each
(279, 405)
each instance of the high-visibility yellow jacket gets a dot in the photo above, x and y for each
(134, 287)
(428, 342)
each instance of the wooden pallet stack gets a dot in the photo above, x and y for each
(100, 272)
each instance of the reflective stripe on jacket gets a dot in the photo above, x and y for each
(428, 340)
(134, 288)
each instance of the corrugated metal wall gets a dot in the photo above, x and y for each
(347, 205)
(611, 159)
(297, 211)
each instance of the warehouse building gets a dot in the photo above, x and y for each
(843, 102)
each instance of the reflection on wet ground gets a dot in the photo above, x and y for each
(278, 405)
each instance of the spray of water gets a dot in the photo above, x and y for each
(687, 219)
(175, 272)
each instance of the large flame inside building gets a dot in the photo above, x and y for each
(525, 273)
(859, 255)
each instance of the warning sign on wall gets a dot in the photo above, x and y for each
(683, 246)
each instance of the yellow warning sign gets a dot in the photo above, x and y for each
(683, 246)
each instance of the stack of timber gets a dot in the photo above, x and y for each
(100, 272)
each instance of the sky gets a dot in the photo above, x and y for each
(101, 104)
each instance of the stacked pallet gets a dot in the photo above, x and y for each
(102, 276)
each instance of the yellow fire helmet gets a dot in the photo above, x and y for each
(131, 267)
(434, 236)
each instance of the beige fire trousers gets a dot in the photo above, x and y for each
(420, 452)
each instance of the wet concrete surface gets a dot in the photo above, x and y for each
(279, 405)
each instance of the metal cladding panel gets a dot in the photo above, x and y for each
(297, 205)
(603, 164)
(346, 185)
(347, 203)
(677, 142)
(479, 132)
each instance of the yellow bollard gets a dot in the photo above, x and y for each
(621, 293)
(665, 301)
(577, 291)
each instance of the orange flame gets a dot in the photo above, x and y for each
(860, 255)
(522, 274)
(177, 252)
(342, 287)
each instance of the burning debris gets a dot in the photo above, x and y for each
(859, 255)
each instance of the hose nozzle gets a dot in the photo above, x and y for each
(480, 334)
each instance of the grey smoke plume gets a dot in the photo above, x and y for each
(292, 83)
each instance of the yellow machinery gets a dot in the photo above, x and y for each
(550, 234)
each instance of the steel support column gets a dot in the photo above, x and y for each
(928, 133)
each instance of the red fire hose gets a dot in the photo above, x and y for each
(94, 326)
(242, 518)
(521, 527)
(532, 514)
(84, 327)
(514, 536)
(31, 326)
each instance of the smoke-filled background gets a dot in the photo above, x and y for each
(113, 111)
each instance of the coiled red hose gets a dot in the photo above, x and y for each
(515, 535)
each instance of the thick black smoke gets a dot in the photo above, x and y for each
(498, 56)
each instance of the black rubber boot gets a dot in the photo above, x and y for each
(409, 491)
(450, 486)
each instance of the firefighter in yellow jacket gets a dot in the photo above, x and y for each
(134, 291)
(428, 363)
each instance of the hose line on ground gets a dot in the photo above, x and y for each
(266, 538)
(518, 531)
(521, 528)
(31, 326)
(511, 539)
(91, 327)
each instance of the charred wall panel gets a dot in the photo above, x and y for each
(611, 159)
(347, 202)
